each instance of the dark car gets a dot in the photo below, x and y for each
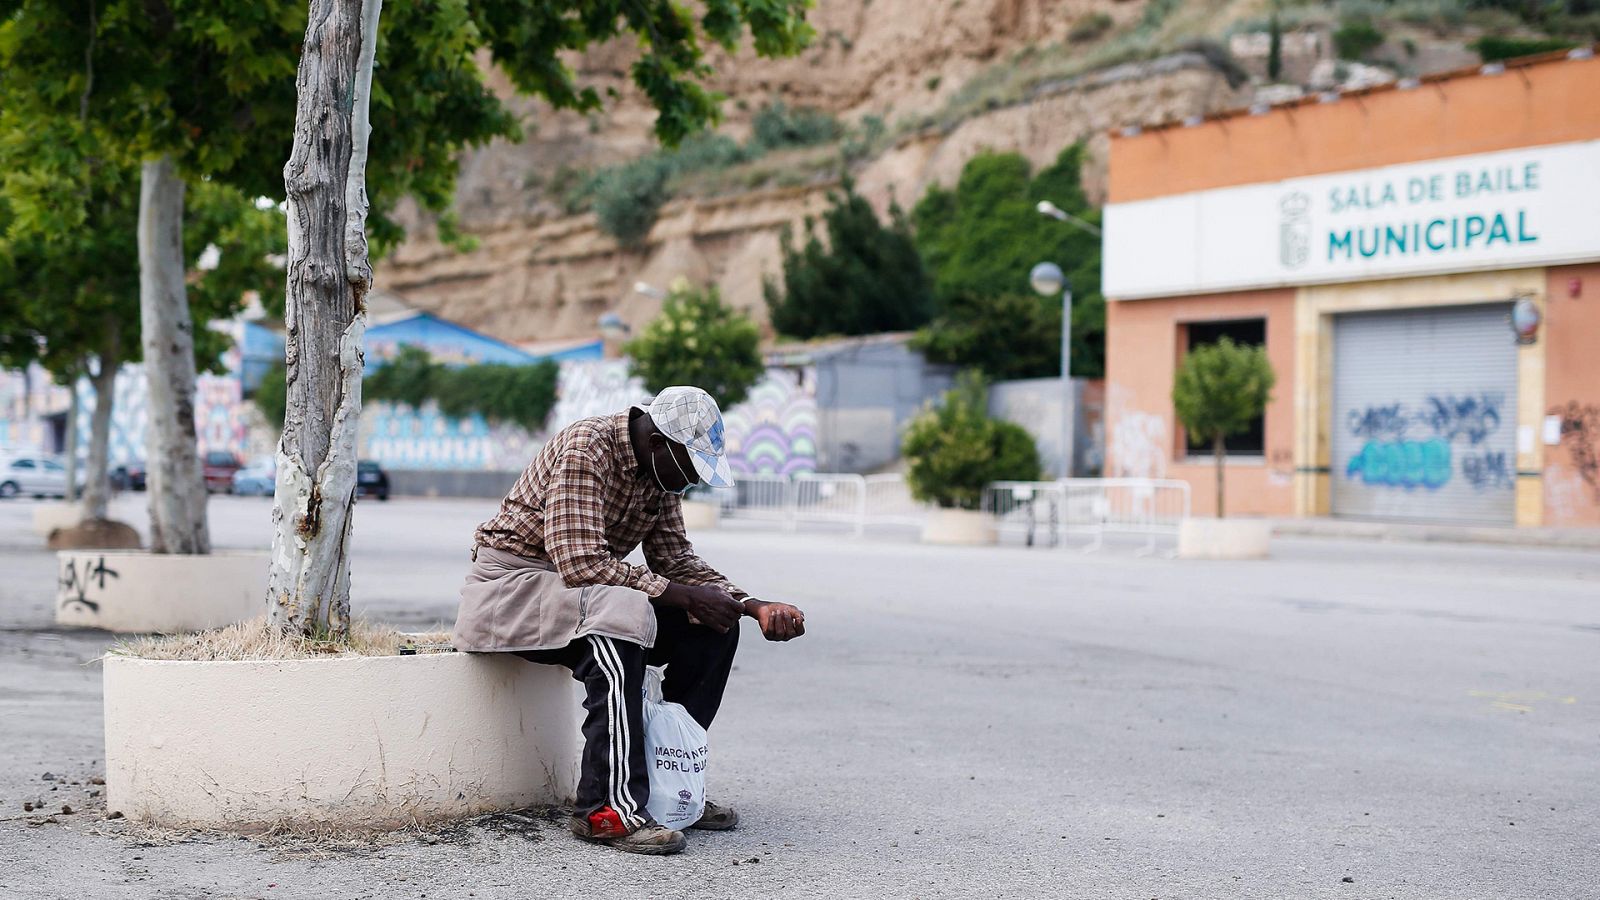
(371, 480)
(129, 476)
(219, 468)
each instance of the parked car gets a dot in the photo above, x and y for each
(39, 476)
(371, 480)
(129, 476)
(219, 467)
(259, 479)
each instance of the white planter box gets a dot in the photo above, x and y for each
(135, 591)
(699, 515)
(958, 526)
(359, 742)
(47, 517)
(1224, 538)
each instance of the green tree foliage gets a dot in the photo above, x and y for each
(981, 239)
(1356, 36)
(866, 279)
(1219, 390)
(701, 341)
(954, 450)
(213, 82)
(516, 394)
(271, 396)
(1004, 336)
(1493, 47)
(1274, 47)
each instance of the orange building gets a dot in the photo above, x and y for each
(1422, 264)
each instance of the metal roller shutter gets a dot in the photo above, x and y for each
(1424, 415)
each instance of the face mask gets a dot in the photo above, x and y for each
(660, 484)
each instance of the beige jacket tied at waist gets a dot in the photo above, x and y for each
(512, 603)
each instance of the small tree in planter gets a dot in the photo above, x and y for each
(702, 341)
(1219, 390)
(953, 451)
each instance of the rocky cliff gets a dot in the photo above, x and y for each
(935, 74)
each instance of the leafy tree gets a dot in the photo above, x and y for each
(1274, 47)
(981, 239)
(519, 394)
(1005, 336)
(68, 264)
(309, 582)
(702, 341)
(955, 450)
(1219, 390)
(1356, 36)
(271, 396)
(867, 279)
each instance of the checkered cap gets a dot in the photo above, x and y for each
(689, 416)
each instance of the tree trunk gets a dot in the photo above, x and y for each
(70, 451)
(308, 590)
(176, 484)
(97, 487)
(1221, 454)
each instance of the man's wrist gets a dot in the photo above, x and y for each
(751, 606)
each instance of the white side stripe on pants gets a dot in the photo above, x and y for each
(621, 743)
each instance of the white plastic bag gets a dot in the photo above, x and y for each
(677, 748)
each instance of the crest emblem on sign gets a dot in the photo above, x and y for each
(1294, 229)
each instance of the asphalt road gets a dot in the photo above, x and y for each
(1353, 720)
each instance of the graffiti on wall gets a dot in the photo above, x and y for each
(1580, 435)
(1428, 445)
(80, 579)
(774, 431)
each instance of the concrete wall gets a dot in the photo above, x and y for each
(1144, 343)
(865, 394)
(1571, 396)
(1036, 404)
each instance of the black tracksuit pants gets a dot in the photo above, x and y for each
(616, 769)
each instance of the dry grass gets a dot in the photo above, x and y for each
(253, 640)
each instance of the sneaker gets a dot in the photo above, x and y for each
(604, 826)
(717, 818)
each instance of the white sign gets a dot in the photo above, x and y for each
(1532, 206)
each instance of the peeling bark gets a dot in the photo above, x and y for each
(176, 484)
(308, 589)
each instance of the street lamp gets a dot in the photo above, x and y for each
(1047, 278)
(1047, 208)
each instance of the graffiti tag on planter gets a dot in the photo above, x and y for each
(78, 577)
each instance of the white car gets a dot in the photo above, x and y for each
(39, 476)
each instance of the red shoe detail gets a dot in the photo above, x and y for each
(605, 822)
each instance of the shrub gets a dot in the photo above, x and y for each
(1219, 389)
(954, 450)
(1491, 47)
(518, 394)
(775, 126)
(868, 278)
(1356, 37)
(627, 198)
(1089, 27)
(272, 395)
(699, 340)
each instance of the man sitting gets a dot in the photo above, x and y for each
(548, 583)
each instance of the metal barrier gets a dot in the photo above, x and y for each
(889, 502)
(1034, 509)
(757, 497)
(819, 497)
(1146, 506)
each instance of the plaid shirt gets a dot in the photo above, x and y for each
(584, 504)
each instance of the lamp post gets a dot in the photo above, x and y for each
(1047, 278)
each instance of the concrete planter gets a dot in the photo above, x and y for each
(360, 742)
(1224, 538)
(700, 515)
(134, 591)
(47, 517)
(958, 527)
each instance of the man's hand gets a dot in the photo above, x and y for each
(779, 621)
(710, 606)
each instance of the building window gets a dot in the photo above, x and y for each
(1252, 332)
